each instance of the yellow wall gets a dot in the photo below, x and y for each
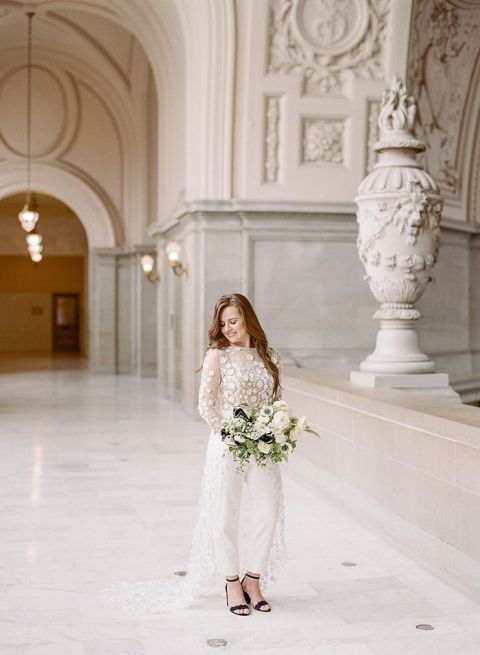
(25, 299)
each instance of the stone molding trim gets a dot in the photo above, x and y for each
(327, 42)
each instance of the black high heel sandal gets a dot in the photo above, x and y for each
(235, 609)
(261, 603)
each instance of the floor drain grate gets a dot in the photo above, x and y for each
(180, 573)
(216, 643)
(349, 564)
(424, 626)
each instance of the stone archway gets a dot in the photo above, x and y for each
(101, 225)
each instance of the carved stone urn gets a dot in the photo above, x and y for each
(399, 213)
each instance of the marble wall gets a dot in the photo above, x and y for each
(303, 275)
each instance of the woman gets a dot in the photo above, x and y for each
(239, 367)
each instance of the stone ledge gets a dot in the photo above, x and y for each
(450, 420)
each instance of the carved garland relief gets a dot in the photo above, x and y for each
(444, 46)
(272, 138)
(372, 133)
(327, 42)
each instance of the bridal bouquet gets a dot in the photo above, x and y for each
(268, 434)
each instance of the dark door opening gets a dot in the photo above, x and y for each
(66, 322)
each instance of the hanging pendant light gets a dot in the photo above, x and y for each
(29, 215)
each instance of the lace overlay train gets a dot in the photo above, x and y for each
(228, 377)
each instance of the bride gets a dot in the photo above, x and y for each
(239, 367)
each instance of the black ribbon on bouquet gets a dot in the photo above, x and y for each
(238, 412)
(267, 438)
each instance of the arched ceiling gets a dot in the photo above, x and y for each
(73, 28)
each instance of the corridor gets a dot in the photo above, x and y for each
(99, 481)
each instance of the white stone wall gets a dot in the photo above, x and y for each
(406, 466)
(313, 74)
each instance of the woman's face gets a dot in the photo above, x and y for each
(233, 327)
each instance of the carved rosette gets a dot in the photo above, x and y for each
(399, 213)
(323, 141)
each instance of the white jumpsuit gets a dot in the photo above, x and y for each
(231, 376)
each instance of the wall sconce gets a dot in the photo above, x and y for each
(173, 253)
(147, 263)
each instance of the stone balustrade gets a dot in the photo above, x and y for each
(408, 465)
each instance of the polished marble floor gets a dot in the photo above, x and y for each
(99, 479)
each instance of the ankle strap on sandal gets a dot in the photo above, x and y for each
(233, 579)
(255, 577)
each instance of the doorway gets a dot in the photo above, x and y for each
(66, 322)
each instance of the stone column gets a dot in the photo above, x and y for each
(103, 310)
(122, 313)
(399, 213)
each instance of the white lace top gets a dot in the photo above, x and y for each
(231, 376)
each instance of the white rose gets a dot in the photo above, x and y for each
(264, 447)
(281, 404)
(281, 420)
(280, 437)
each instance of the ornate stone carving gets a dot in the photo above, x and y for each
(272, 138)
(327, 42)
(444, 48)
(372, 133)
(399, 213)
(322, 141)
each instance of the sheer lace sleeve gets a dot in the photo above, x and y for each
(209, 388)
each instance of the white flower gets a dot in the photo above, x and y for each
(281, 404)
(280, 437)
(302, 424)
(239, 438)
(264, 447)
(281, 420)
(289, 448)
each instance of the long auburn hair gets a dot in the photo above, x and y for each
(258, 338)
